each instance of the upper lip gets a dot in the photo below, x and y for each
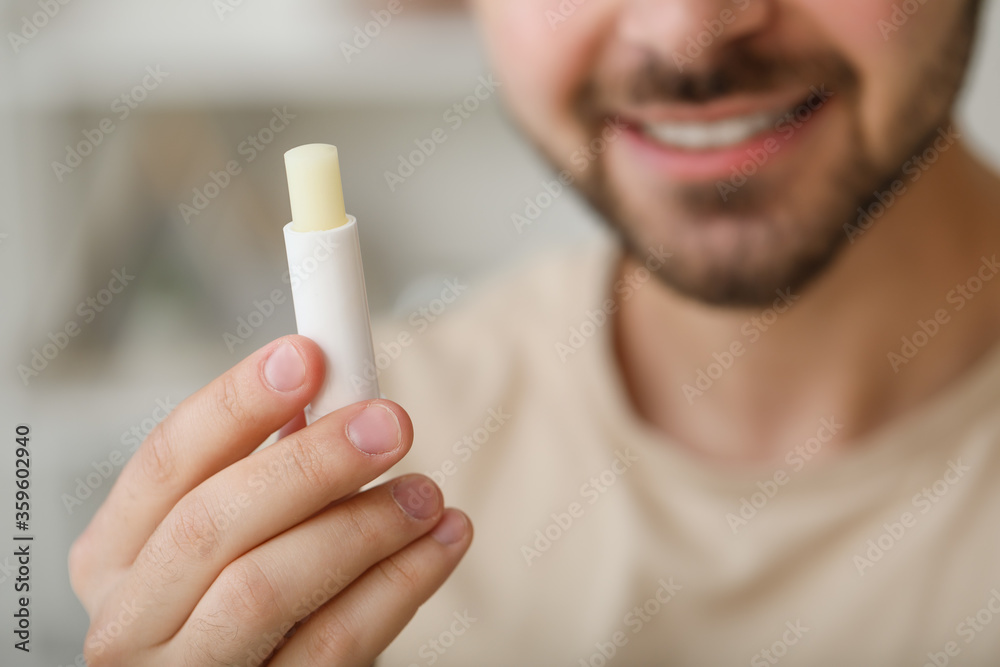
(729, 107)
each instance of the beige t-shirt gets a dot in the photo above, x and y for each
(600, 542)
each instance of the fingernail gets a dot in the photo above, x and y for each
(284, 370)
(375, 430)
(417, 496)
(451, 529)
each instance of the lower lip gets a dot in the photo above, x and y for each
(693, 166)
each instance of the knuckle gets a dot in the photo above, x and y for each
(332, 642)
(361, 528)
(80, 560)
(159, 556)
(214, 637)
(401, 572)
(214, 646)
(157, 456)
(304, 462)
(230, 402)
(247, 589)
(193, 529)
(102, 646)
(96, 652)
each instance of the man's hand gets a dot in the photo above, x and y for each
(208, 553)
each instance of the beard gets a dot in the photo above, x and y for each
(736, 246)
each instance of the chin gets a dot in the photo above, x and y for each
(737, 255)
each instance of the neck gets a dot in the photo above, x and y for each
(742, 385)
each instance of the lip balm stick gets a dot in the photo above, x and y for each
(328, 282)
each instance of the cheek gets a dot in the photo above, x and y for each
(890, 50)
(543, 57)
(852, 25)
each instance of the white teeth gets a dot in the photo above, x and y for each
(718, 134)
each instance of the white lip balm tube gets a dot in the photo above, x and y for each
(328, 281)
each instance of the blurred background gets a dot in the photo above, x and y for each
(117, 122)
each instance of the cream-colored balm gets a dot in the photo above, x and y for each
(327, 277)
(314, 188)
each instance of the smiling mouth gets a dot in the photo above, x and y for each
(702, 136)
(692, 144)
(713, 135)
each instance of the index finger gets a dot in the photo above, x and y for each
(220, 424)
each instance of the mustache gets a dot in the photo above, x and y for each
(738, 70)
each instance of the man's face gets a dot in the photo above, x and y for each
(742, 135)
